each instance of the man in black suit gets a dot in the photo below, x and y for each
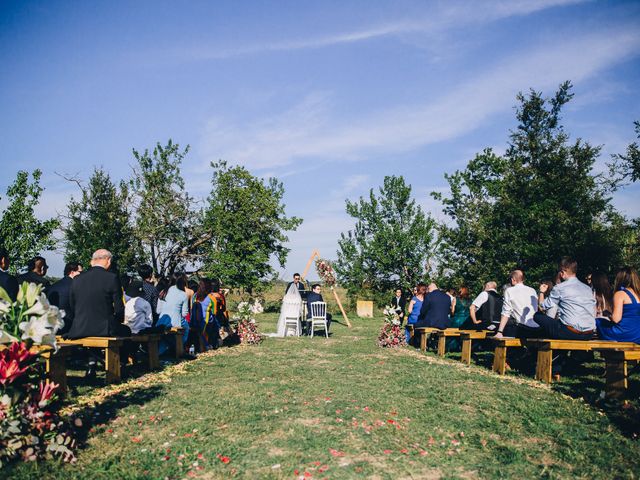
(37, 269)
(97, 301)
(435, 309)
(7, 281)
(399, 303)
(297, 283)
(315, 295)
(58, 293)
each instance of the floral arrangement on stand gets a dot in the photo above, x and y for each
(246, 327)
(30, 426)
(391, 334)
(326, 272)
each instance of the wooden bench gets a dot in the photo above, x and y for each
(424, 332)
(177, 333)
(500, 352)
(546, 348)
(467, 337)
(442, 338)
(112, 347)
(616, 365)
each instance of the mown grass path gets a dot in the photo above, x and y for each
(342, 408)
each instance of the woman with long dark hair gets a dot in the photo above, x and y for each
(604, 295)
(415, 305)
(624, 325)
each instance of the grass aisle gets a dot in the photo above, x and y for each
(343, 408)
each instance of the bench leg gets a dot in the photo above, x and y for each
(544, 365)
(179, 345)
(57, 371)
(423, 342)
(442, 345)
(112, 364)
(616, 376)
(500, 360)
(153, 355)
(466, 351)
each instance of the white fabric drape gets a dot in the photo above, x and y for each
(291, 308)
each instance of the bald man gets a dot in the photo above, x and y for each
(96, 299)
(485, 310)
(518, 308)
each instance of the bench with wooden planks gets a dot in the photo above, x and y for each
(177, 334)
(442, 336)
(616, 370)
(500, 352)
(546, 347)
(466, 338)
(425, 333)
(112, 347)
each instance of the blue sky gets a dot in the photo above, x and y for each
(327, 96)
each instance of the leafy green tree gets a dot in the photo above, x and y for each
(168, 224)
(391, 243)
(245, 225)
(626, 167)
(538, 202)
(21, 233)
(101, 218)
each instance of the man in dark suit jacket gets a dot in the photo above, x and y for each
(399, 303)
(97, 301)
(37, 269)
(58, 293)
(435, 309)
(7, 281)
(297, 283)
(315, 295)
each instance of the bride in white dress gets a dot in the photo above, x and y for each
(291, 308)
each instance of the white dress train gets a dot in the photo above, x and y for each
(291, 308)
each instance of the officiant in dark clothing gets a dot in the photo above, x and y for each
(435, 309)
(315, 295)
(297, 282)
(7, 281)
(97, 301)
(37, 267)
(399, 303)
(58, 293)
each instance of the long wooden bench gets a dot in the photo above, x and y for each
(112, 347)
(425, 333)
(500, 352)
(442, 339)
(466, 338)
(546, 348)
(616, 370)
(177, 333)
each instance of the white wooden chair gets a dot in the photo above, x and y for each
(292, 318)
(319, 317)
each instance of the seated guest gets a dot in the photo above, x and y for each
(37, 269)
(296, 282)
(96, 300)
(176, 307)
(58, 293)
(435, 308)
(460, 312)
(518, 308)
(576, 306)
(137, 311)
(399, 303)
(7, 281)
(603, 293)
(315, 295)
(149, 291)
(415, 305)
(552, 311)
(625, 318)
(162, 287)
(485, 310)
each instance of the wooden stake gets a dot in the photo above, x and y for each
(344, 315)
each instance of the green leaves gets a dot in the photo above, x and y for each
(21, 233)
(390, 243)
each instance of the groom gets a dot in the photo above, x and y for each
(314, 295)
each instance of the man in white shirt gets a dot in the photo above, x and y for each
(485, 310)
(520, 305)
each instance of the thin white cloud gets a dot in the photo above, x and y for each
(309, 131)
(440, 18)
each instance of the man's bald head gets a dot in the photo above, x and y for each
(102, 258)
(432, 287)
(517, 276)
(490, 286)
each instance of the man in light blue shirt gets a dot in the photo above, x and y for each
(575, 303)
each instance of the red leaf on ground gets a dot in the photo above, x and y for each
(387, 452)
(136, 439)
(224, 459)
(336, 453)
(404, 450)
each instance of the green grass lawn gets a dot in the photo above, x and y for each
(340, 408)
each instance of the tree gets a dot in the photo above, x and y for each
(390, 244)
(246, 221)
(526, 209)
(101, 219)
(168, 225)
(626, 167)
(21, 233)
